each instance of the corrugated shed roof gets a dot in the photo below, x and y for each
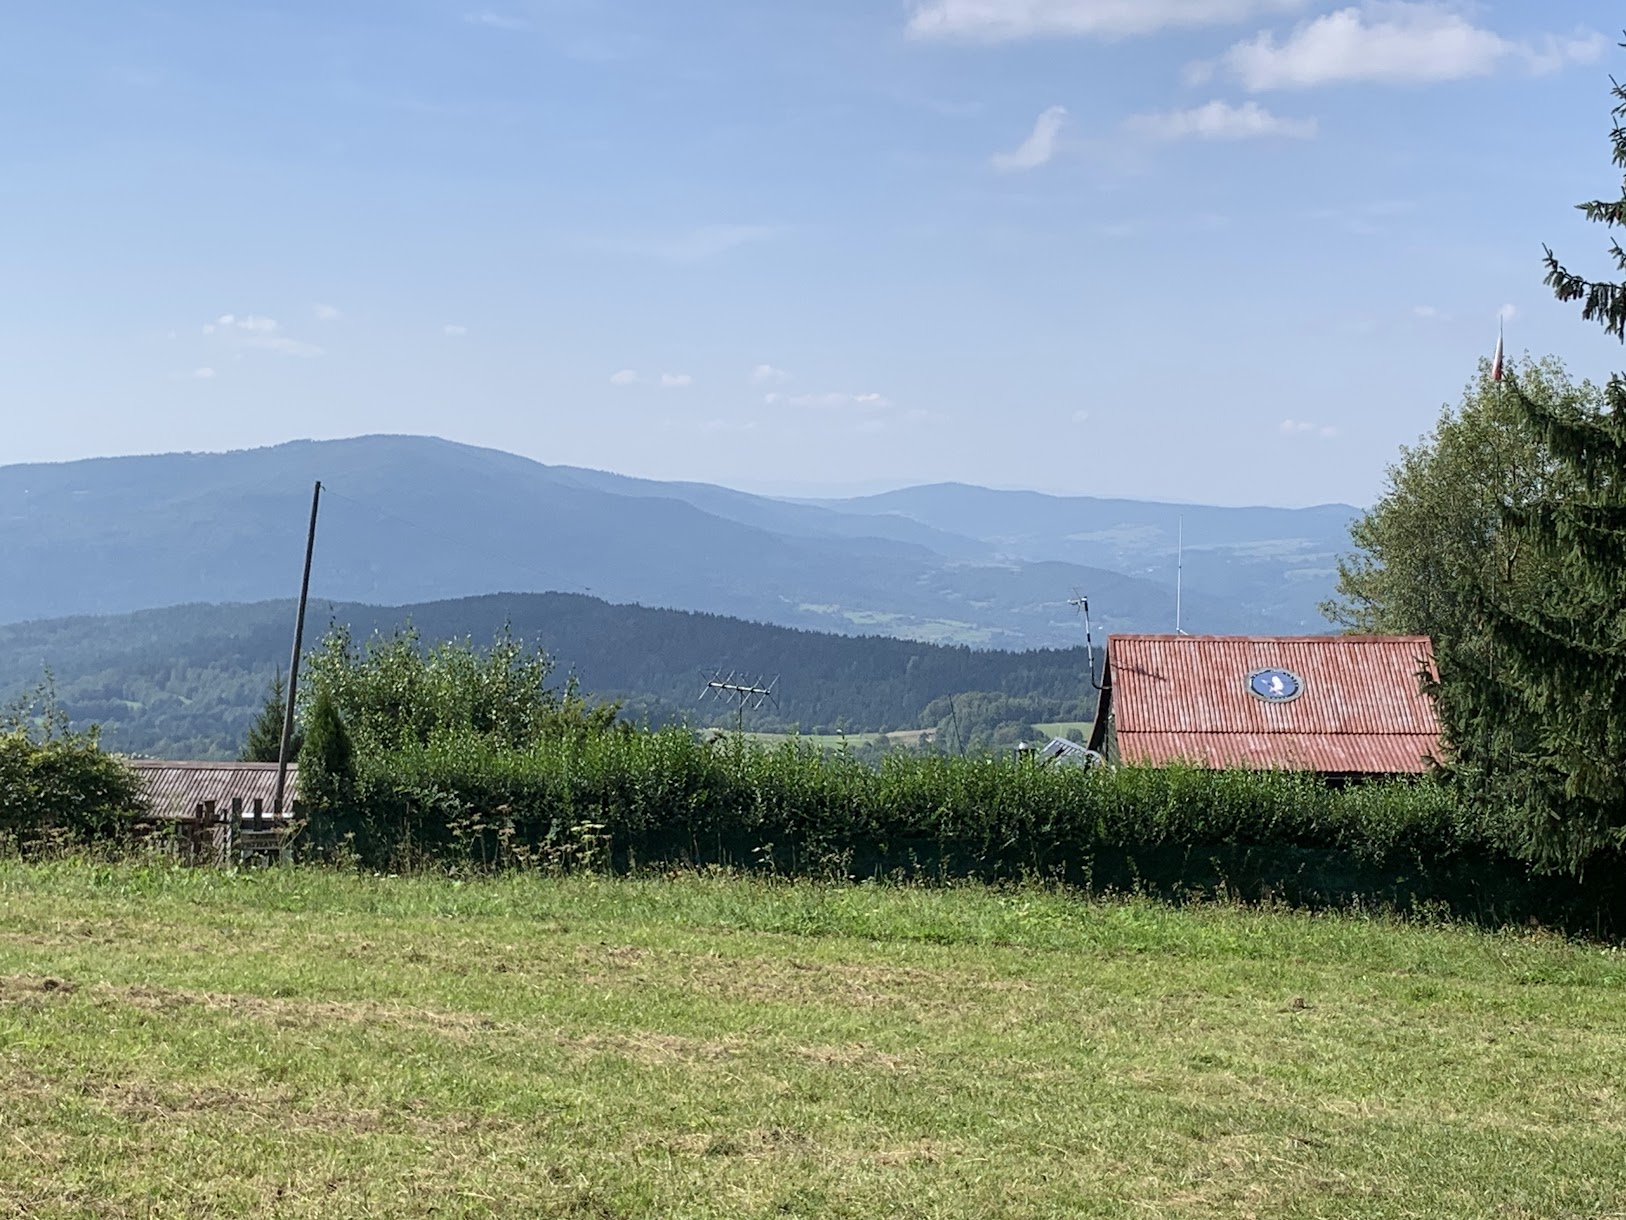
(176, 789)
(1359, 710)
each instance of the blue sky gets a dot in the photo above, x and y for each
(1233, 251)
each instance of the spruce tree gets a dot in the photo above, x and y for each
(327, 761)
(1555, 705)
(264, 740)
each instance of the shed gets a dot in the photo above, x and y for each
(176, 789)
(1335, 704)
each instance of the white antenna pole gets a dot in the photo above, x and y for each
(1179, 567)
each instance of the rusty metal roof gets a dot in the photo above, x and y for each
(1357, 707)
(176, 789)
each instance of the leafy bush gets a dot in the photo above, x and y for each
(53, 780)
(393, 691)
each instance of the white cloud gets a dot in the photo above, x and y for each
(497, 21)
(1038, 148)
(252, 323)
(1220, 121)
(766, 374)
(203, 374)
(675, 381)
(453, 330)
(624, 377)
(1300, 427)
(1553, 53)
(1393, 42)
(831, 401)
(326, 313)
(1081, 417)
(252, 330)
(1004, 20)
(1430, 313)
(1507, 313)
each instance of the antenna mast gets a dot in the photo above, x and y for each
(742, 694)
(1082, 604)
(1179, 567)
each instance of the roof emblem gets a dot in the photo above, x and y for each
(1275, 685)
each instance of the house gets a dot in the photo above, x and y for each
(177, 789)
(1337, 705)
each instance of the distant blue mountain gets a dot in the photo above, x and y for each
(416, 519)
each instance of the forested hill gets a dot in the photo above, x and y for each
(415, 519)
(186, 681)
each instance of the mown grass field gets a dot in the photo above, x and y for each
(306, 1043)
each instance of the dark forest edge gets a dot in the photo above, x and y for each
(188, 681)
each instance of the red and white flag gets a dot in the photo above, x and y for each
(1496, 363)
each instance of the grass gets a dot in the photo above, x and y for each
(307, 1043)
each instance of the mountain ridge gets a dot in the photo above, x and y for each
(415, 519)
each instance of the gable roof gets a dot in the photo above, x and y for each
(176, 789)
(1359, 708)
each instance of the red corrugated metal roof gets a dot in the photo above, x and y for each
(1334, 753)
(1187, 698)
(176, 789)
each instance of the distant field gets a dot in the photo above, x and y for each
(301, 1043)
(901, 737)
(907, 737)
(1060, 728)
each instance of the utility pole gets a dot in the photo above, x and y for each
(293, 664)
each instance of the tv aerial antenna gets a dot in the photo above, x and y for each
(743, 693)
(1081, 603)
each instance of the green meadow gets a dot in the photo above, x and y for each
(308, 1042)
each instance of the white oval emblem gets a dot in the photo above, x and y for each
(1275, 685)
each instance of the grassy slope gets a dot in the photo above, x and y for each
(307, 1044)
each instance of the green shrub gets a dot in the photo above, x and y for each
(56, 781)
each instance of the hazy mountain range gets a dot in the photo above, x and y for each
(416, 519)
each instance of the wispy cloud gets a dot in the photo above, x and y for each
(453, 331)
(1007, 20)
(767, 374)
(831, 401)
(1300, 427)
(204, 374)
(1429, 313)
(1393, 42)
(497, 21)
(1038, 148)
(1220, 121)
(1507, 313)
(255, 331)
(625, 377)
(326, 313)
(675, 381)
